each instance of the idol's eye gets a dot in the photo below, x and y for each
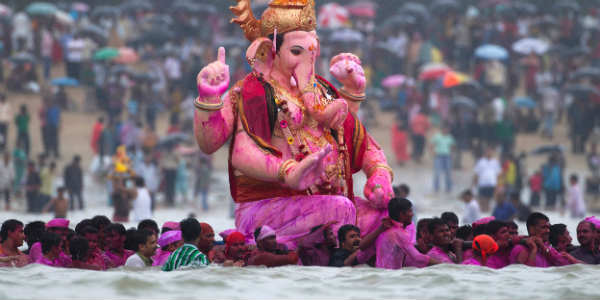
(296, 51)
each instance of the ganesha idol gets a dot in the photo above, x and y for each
(295, 138)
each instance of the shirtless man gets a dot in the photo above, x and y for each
(11, 238)
(60, 204)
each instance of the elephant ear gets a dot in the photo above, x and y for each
(260, 55)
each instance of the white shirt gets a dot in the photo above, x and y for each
(75, 49)
(472, 212)
(135, 261)
(142, 205)
(575, 201)
(173, 68)
(5, 112)
(487, 171)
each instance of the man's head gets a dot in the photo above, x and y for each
(190, 231)
(402, 191)
(12, 230)
(91, 234)
(149, 225)
(560, 237)
(79, 248)
(349, 237)
(265, 238)
(466, 196)
(586, 233)
(51, 244)
(451, 219)
(465, 232)
(76, 160)
(101, 222)
(499, 231)
(573, 179)
(139, 182)
(146, 242)
(83, 224)
(60, 192)
(33, 232)
(235, 245)
(538, 225)
(513, 229)
(440, 232)
(207, 238)
(423, 236)
(400, 210)
(114, 236)
(489, 152)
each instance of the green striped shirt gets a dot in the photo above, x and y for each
(187, 255)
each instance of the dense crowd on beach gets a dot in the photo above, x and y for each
(398, 242)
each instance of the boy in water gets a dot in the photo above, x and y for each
(60, 204)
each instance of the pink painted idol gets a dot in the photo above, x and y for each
(296, 140)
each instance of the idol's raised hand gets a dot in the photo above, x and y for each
(213, 80)
(347, 69)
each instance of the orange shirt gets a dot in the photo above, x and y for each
(420, 124)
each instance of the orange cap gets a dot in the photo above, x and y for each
(485, 244)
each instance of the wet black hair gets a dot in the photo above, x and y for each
(434, 224)
(397, 206)
(534, 219)
(190, 229)
(89, 230)
(556, 230)
(512, 224)
(116, 227)
(448, 217)
(402, 188)
(81, 225)
(79, 247)
(149, 225)
(7, 227)
(101, 222)
(464, 232)
(494, 226)
(33, 232)
(141, 237)
(344, 230)
(139, 182)
(130, 239)
(49, 240)
(422, 224)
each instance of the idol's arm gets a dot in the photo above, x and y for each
(378, 189)
(213, 128)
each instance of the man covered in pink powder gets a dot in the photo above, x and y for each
(168, 242)
(445, 249)
(394, 247)
(116, 255)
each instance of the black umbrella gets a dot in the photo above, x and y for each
(580, 91)
(136, 5)
(461, 101)
(157, 36)
(105, 11)
(121, 69)
(173, 139)
(94, 32)
(143, 77)
(21, 58)
(159, 21)
(586, 72)
(399, 20)
(547, 149)
(567, 5)
(413, 8)
(443, 6)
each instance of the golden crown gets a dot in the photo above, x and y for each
(283, 15)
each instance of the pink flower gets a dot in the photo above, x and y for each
(283, 124)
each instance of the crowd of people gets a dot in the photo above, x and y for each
(99, 244)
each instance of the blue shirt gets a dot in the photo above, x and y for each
(504, 211)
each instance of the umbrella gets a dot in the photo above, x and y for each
(547, 149)
(133, 6)
(157, 36)
(393, 81)
(365, 9)
(121, 69)
(106, 53)
(64, 81)
(586, 72)
(194, 8)
(22, 58)
(581, 90)
(525, 102)
(105, 11)
(490, 51)
(453, 78)
(5, 10)
(346, 35)
(94, 32)
(529, 45)
(63, 17)
(80, 7)
(41, 9)
(567, 5)
(232, 42)
(143, 77)
(414, 8)
(159, 20)
(443, 6)
(523, 7)
(127, 56)
(463, 102)
(333, 15)
(433, 71)
(399, 20)
(173, 139)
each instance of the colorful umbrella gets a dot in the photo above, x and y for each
(63, 17)
(65, 81)
(365, 9)
(41, 9)
(432, 71)
(490, 51)
(525, 102)
(5, 10)
(106, 53)
(393, 81)
(80, 7)
(127, 56)
(333, 15)
(529, 45)
(453, 78)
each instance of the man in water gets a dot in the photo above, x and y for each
(236, 251)
(187, 255)
(538, 252)
(51, 250)
(587, 251)
(11, 238)
(95, 256)
(207, 240)
(394, 247)
(116, 253)
(445, 249)
(315, 249)
(168, 242)
(60, 204)
(146, 245)
(423, 236)
(451, 219)
(268, 252)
